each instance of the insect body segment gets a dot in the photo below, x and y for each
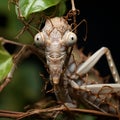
(57, 37)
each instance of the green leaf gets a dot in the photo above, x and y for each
(62, 8)
(28, 7)
(5, 62)
(58, 10)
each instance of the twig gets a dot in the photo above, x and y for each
(10, 114)
(3, 40)
(21, 115)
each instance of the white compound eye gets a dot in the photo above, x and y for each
(39, 39)
(70, 38)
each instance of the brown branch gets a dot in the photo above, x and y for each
(20, 115)
(63, 108)
(3, 40)
(10, 114)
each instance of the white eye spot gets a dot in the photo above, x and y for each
(39, 39)
(70, 38)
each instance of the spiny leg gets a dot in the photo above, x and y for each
(98, 92)
(90, 62)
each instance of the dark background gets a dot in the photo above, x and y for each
(103, 29)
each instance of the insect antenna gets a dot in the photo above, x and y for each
(86, 27)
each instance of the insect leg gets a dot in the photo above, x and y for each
(91, 92)
(90, 62)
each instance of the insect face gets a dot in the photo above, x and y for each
(56, 38)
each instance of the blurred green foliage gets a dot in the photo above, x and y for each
(25, 88)
(8, 21)
(10, 26)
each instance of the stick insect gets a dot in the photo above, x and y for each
(57, 38)
(68, 73)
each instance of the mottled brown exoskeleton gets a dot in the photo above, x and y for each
(66, 75)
